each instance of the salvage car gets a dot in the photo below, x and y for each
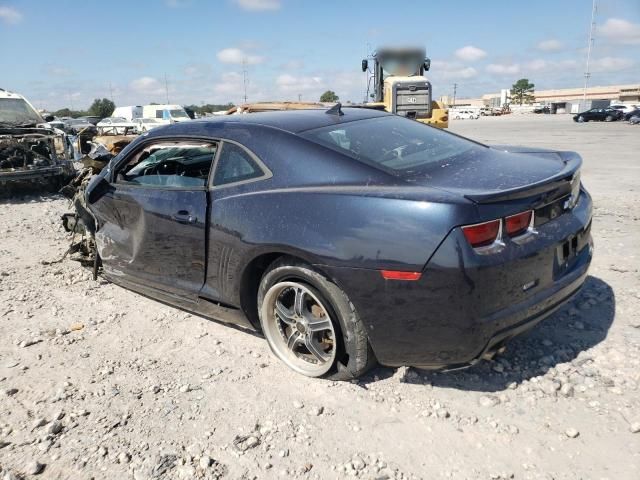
(115, 126)
(31, 151)
(145, 124)
(346, 237)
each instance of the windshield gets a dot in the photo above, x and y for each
(15, 111)
(178, 114)
(405, 65)
(393, 144)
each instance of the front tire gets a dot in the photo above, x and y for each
(310, 324)
(608, 118)
(581, 119)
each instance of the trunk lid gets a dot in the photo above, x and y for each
(505, 173)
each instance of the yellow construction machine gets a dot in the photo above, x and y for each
(397, 84)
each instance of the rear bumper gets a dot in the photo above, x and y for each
(466, 305)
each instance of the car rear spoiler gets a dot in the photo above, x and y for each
(553, 187)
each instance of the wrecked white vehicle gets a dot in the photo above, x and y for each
(31, 151)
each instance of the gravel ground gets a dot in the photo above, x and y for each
(98, 382)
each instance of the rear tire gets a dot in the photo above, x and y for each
(581, 119)
(310, 324)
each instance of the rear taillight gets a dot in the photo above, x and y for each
(482, 234)
(518, 224)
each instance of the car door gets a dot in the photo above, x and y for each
(236, 169)
(153, 216)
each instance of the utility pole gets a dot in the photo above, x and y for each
(166, 87)
(455, 90)
(587, 73)
(245, 78)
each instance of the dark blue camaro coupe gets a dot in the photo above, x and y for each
(346, 237)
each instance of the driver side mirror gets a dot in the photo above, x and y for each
(49, 118)
(365, 65)
(427, 64)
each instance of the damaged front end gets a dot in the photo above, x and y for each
(33, 155)
(81, 223)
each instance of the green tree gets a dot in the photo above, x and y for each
(67, 112)
(522, 91)
(102, 108)
(329, 96)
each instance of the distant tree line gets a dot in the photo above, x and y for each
(99, 108)
(209, 108)
(105, 107)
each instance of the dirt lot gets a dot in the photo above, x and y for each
(97, 382)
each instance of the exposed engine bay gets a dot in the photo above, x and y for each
(80, 222)
(33, 155)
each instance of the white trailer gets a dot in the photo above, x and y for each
(166, 113)
(130, 112)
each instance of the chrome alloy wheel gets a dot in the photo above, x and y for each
(299, 328)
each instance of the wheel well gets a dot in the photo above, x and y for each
(251, 282)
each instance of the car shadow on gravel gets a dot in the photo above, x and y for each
(575, 328)
(19, 196)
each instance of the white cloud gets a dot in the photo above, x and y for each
(10, 15)
(230, 83)
(298, 84)
(550, 45)
(147, 85)
(536, 65)
(470, 53)
(198, 70)
(237, 56)
(611, 64)
(503, 69)
(618, 30)
(259, 5)
(451, 70)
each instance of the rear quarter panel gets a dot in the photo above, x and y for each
(324, 228)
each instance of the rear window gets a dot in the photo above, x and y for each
(394, 144)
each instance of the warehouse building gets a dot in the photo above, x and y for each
(564, 100)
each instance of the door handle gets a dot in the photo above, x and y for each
(184, 217)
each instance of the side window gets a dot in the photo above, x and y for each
(158, 113)
(179, 164)
(235, 165)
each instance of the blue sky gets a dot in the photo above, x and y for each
(67, 52)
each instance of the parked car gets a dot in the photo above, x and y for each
(632, 113)
(76, 125)
(341, 236)
(31, 151)
(600, 114)
(545, 109)
(469, 114)
(115, 126)
(624, 108)
(92, 119)
(146, 124)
